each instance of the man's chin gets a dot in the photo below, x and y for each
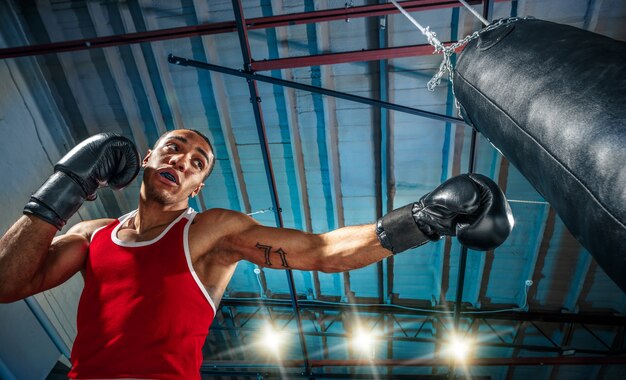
(159, 197)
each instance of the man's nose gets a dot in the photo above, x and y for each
(179, 162)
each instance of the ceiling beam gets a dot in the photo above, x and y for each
(345, 57)
(548, 346)
(440, 337)
(549, 317)
(279, 373)
(425, 362)
(155, 34)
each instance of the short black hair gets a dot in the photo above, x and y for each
(211, 163)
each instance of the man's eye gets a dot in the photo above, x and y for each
(172, 146)
(199, 164)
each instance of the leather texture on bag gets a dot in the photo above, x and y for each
(552, 99)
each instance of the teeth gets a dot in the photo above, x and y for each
(168, 176)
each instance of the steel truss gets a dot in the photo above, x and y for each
(431, 326)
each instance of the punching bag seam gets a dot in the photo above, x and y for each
(608, 212)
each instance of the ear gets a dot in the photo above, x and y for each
(144, 162)
(196, 190)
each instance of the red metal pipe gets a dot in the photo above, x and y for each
(119, 39)
(344, 57)
(353, 12)
(490, 362)
(227, 26)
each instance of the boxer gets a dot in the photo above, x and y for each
(154, 277)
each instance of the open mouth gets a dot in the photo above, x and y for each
(168, 176)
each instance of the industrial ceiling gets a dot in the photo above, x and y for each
(320, 118)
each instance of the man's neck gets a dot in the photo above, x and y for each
(152, 214)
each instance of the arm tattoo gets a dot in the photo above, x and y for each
(283, 259)
(267, 249)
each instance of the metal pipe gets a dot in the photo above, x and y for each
(421, 362)
(5, 372)
(487, 6)
(548, 317)
(344, 57)
(474, 12)
(434, 341)
(45, 323)
(304, 87)
(227, 27)
(277, 372)
(267, 161)
(344, 13)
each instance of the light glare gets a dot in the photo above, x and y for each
(272, 339)
(363, 341)
(459, 348)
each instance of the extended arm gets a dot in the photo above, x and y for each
(471, 207)
(336, 251)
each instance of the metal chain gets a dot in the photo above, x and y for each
(447, 51)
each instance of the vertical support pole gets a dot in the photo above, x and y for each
(384, 206)
(48, 327)
(5, 372)
(258, 117)
(487, 11)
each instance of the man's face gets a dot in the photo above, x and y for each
(176, 168)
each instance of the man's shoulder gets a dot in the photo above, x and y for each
(87, 227)
(224, 219)
(211, 227)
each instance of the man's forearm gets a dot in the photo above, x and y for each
(23, 250)
(352, 247)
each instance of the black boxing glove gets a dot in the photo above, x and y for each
(101, 160)
(469, 206)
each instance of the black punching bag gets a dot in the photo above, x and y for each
(552, 99)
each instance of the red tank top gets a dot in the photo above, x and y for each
(143, 313)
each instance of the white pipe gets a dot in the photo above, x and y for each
(52, 332)
(481, 18)
(407, 15)
(5, 372)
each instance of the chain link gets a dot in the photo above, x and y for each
(447, 51)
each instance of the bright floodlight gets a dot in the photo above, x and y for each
(272, 339)
(364, 341)
(459, 348)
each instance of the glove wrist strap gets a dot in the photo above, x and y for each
(56, 200)
(397, 231)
